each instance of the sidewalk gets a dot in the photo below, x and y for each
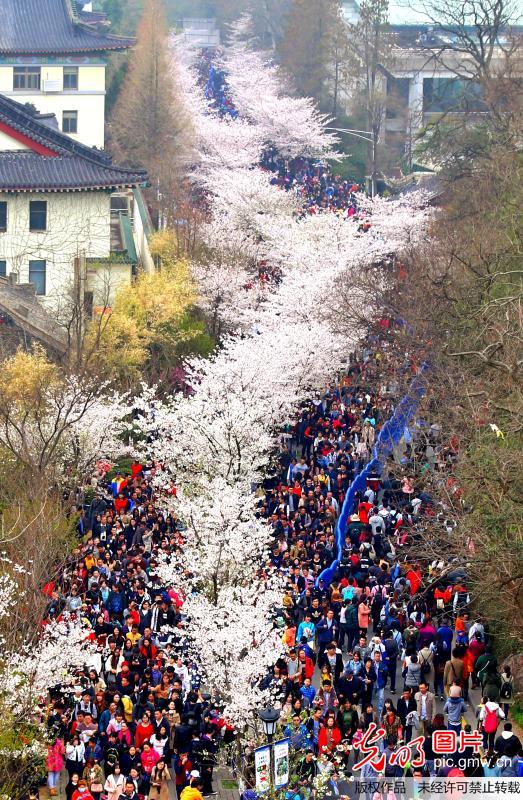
(225, 785)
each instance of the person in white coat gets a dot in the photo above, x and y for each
(114, 784)
(75, 756)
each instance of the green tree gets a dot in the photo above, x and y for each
(123, 15)
(114, 11)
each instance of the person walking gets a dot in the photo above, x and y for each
(506, 692)
(82, 792)
(74, 756)
(425, 706)
(454, 671)
(55, 763)
(489, 717)
(391, 654)
(114, 784)
(363, 617)
(94, 776)
(412, 673)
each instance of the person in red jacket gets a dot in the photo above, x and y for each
(136, 469)
(121, 503)
(475, 649)
(329, 736)
(82, 792)
(182, 771)
(364, 509)
(148, 650)
(144, 731)
(149, 758)
(306, 665)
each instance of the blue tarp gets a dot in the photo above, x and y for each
(389, 436)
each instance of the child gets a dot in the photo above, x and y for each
(308, 692)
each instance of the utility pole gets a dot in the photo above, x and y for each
(367, 136)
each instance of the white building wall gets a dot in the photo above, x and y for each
(416, 99)
(78, 224)
(104, 281)
(88, 100)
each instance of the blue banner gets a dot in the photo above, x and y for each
(389, 436)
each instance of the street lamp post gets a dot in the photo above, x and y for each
(269, 717)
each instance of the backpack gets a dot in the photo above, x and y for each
(491, 720)
(506, 690)
(391, 648)
(440, 654)
(424, 666)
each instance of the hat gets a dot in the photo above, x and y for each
(455, 691)
(194, 774)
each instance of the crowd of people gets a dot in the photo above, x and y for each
(375, 645)
(312, 181)
(216, 89)
(137, 720)
(386, 642)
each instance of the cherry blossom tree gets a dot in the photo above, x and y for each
(32, 662)
(235, 644)
(55, 424)
(216, 442)
(225, 542)
(247, 388)
(63, 649)
(227, 290)
(292, 125)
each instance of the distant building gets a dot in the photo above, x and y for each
(67, 213)
(200, 33)
(350, 11)
(419, 86)
(53, 55)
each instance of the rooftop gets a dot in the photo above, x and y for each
(52, 27)
(57, 162)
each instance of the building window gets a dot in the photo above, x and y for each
(3, 215)
(451, 94)
(26, 78)
(37, 215)
(3, 269)
(70, 77)
(397, 96)
(70, 121)
(37, 275)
